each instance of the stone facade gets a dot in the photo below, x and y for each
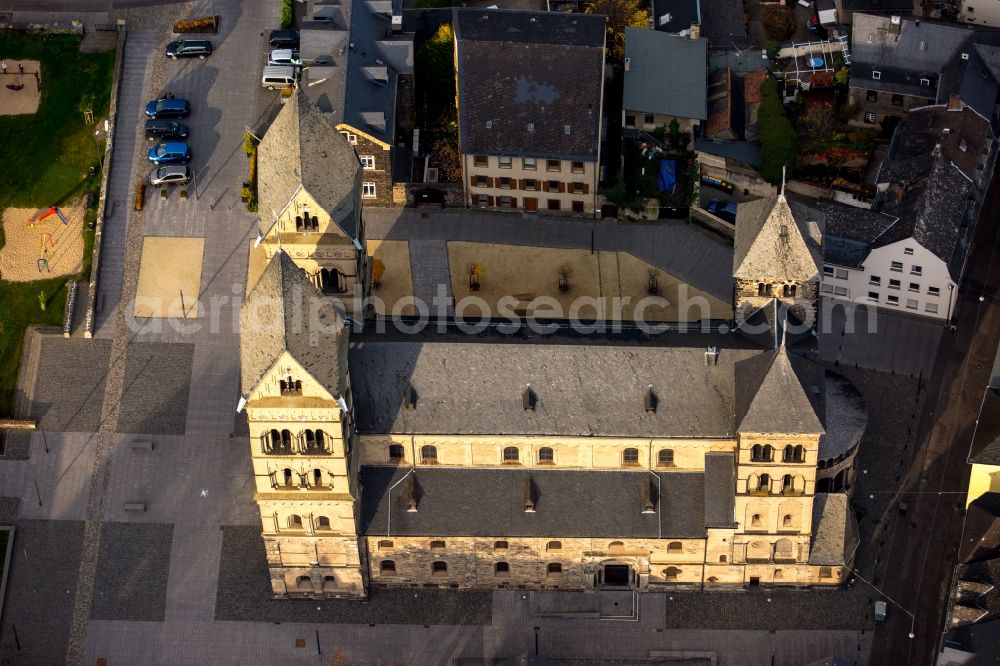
(800, 297)
(376, 164)
(876, 105)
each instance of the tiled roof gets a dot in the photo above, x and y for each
(835, 532)
(773, 241)
(524, 77)
(720, 105)
(780, 403)
(285, 312)
(302, 149)
(677, 90)
(489, 502)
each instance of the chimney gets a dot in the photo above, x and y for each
(529, 399)
(694, 32)
(955, 102)
(530, 496)
(647, 494)
(937, 150)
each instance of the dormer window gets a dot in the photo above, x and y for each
(926, 83)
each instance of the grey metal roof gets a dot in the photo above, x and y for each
(285, 312)
(845, 418)
(774, 240)
(666, 74)
(741, 151)
(835, 531)
(672, 16)
(301, 148)
(582, 390)
(489, 502)
(524, 77)
(780, 403)
(720, 485)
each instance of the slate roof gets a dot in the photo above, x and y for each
(529, 75)
(903, 54)
(722, 24)
(774, 324)
(681, 14)
(722, 112)
(845, 418)
(774, 241)
(780, 403)
(489, 502)
(986, 441)
(581, 390)
(720, 485)
(849, 231)
(285, 312)
(835, 531)
(651, 86)
(354, 66)
(302, 149)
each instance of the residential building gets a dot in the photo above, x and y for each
(733, 103)
(908, 253)
(530, 102)
(980, 12)
(470, 463)
(358, 65)
(308, 185)
(676, 17)
(897, 63)
(655, 95)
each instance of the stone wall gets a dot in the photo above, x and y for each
(883, 105)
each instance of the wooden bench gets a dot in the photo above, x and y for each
(135, 506)
(144, 445)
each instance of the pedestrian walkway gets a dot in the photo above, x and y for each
(431, 273)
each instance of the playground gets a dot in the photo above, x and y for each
(20, 87)
(42, 243)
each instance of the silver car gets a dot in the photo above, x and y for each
(175, 174)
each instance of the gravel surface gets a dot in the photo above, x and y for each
(23, 243)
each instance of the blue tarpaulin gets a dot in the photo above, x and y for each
(667, 178)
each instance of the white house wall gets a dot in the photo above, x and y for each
(915, 291)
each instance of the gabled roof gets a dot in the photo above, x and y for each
(780, 403)
(284, 312)
(910, 44)
(674, 90)
(302, 149)
(524, 78)
(774, 324)
(774, 242)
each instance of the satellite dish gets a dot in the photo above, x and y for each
(683, 33)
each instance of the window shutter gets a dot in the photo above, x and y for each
(489, 200)
(562, 186)
(520, 183)
(513, 202)
(586, 188)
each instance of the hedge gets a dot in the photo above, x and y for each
(779, 144)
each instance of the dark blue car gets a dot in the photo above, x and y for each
(170, 152)
(168, 107)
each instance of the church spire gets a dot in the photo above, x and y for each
(781, 192)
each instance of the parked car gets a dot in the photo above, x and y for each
(170, 175)
(170, 152)
(725, 210)
(168, 107)
(284, 39)
(166, 129)
(880, 610)
(288, 57)
(189, 48)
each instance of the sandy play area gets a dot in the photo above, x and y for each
(61, 244)
(397, 282)
(169, 266)
(15, 102)
(527, 273)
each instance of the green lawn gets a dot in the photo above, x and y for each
(45, 160)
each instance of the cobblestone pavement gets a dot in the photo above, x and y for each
(132, 572)
(67, 393)
(157, 384)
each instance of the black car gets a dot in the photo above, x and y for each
(189, 48)
(284, 39)
(166, 129)
(168, 107)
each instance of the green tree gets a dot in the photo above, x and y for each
(778, 140)
(621, 14)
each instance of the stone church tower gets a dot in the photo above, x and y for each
(777, 255)
(293, 351)
(309, 186)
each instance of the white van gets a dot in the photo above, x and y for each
(880, 610)
(278, 77)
